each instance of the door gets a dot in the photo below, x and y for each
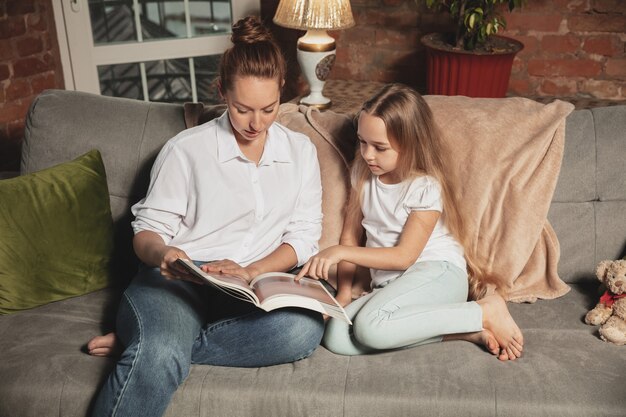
(152, 50)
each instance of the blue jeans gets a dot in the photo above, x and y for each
(166, 325)
(427, 301)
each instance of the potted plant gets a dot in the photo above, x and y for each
(473, 61)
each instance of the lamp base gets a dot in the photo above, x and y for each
(316, 56)
(316, 100)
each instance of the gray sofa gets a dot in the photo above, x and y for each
(566, 369)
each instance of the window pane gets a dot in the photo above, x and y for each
(167, 80)
(122, 80)
(114, 20)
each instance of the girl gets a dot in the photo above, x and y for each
(241, 191)
(415, 249)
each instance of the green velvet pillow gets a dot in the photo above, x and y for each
(56, 234)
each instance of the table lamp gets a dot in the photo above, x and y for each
(316, 49)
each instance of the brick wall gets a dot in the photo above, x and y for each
(29, 64)
(573, 48)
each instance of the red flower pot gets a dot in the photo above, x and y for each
(455, 71)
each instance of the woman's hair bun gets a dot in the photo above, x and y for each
(250, 30)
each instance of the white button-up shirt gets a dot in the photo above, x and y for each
(206, 198)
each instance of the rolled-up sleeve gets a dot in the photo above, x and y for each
(305, 225)
(165, 204)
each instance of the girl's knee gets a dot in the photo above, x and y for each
(369, 329)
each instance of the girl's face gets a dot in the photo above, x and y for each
(252, 107)
(376, 148)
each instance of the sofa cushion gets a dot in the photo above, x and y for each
(566, 370)
(57, 234)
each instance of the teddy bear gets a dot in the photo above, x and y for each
(610, 312)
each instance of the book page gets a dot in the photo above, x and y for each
(232, 285)
(283, 284)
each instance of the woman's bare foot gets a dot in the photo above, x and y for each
(498, 320)
(106, 345)
(482, 338)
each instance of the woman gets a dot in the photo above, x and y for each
(242, 192)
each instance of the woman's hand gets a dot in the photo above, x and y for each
(318, 266)
(169, 268)
(228, 267)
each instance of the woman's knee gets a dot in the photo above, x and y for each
(300, 332)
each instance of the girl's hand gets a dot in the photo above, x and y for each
(228, 267)
(318, 266)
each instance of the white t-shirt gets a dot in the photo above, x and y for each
(386, 208)
(206, 198)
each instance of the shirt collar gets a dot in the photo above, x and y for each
(276, 144)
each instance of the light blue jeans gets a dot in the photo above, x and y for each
(426, 302)
(166, 325)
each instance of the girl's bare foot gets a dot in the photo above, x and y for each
(106, 345)
(482, 338)
(498, 320)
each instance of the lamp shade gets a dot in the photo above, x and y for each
(314, 14)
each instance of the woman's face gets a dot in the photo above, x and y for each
(376, 148)
(252, 106)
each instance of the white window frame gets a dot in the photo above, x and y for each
(80, 58)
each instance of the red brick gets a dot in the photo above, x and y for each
(395, 39)
(6, 49)
(29, 46)
(17, 89)
(558, 87)
(12, 27)
(15, 110)
(5, 72)
(566, 44)
(574, 6)
(45, 82)
(19, 7)
(616, 67)
(360, 36)
(531, 45)
(29, 66)
(602, 45)
(36, 22)
(382, 17)
(564, 67)
(519, 66)
(601, 89)
(520, 86)
(534, 22)
(597, 23)
(609, 6)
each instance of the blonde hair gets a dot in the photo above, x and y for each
(254, 53)
(414, 134)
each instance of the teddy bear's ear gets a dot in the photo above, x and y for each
(601, 269)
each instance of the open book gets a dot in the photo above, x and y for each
(273, 290)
